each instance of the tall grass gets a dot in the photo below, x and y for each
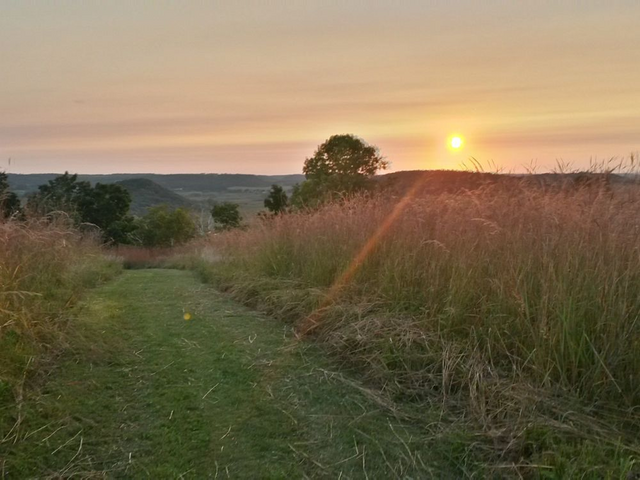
(44, 267)
(496, 301)
(135, 257)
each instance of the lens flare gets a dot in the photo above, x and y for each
(315, 318)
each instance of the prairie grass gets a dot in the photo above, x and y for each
(44, 267)
(517, 310)
(134, 257)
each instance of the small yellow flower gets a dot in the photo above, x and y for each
(187, 316)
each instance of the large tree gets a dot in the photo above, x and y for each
(59, 195)
(345, 156)
(103, 205)
(341, 165)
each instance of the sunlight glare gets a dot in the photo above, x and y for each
(455, 142)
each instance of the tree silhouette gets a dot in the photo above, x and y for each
(344, 156)
(104, 205)
(9, 201)
(277, 200)
(342, 165)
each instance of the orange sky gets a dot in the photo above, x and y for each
(253, 87)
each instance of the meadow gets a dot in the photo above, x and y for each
(499, 326)
(45, 267)
(514, 310)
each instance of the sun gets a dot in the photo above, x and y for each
(456, 142)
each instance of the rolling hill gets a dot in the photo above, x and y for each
(201, 190)
(196, 190)
(434, 182)
(176, 190)
(146, 193)
(197, 182)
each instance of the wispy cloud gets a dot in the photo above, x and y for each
(224, 88)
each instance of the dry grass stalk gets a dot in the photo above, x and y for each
(512, 304)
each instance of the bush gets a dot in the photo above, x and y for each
(226, 215)
(277, 200)
(162, 227)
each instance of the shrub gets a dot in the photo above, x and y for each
(162, 227)
(226, 215)
(277, 200)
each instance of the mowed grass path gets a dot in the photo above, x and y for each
(227, 394)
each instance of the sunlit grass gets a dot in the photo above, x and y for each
(517, 308)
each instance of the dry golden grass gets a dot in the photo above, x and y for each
(134, 257)
(517, 308)
(44, 266)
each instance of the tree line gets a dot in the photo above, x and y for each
(341, 166)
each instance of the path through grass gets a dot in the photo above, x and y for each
(226, 394)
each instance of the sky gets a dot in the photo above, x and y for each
(254, 87)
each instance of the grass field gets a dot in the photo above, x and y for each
(515, 310)
(477, 334)
(228, 393)
(44, 270)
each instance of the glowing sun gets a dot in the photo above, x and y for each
(456, 142)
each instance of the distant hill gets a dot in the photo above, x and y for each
(452, 181)
(436, 181)
(248, 191)
(188, 182)
(146, 193)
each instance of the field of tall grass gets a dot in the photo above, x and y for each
(518, 311)
(44, 268)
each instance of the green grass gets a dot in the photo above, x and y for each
(557, 436)
(229, 393)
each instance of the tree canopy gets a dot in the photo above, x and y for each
(344, 156)
(103, 205)
(277, 200)
(60, 194)
(162, 227)
(226, 215)
(341, 165)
